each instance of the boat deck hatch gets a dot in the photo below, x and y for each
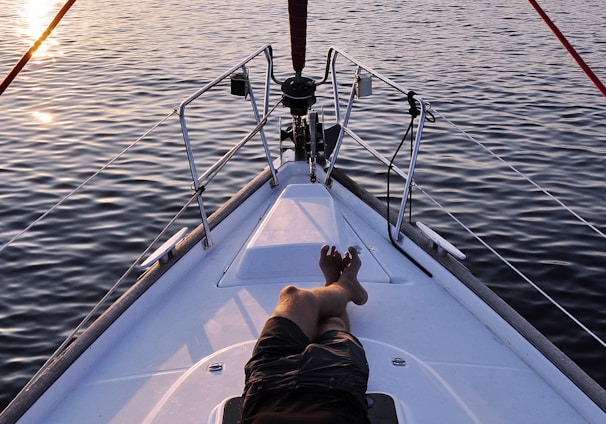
(381, 410)
(285, 245)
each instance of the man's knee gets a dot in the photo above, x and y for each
(294, 299)
(301, 307)
(289, 290)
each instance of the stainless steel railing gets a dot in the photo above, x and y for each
(200, 182)
(333, 53)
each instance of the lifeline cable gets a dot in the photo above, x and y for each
(514, 269)
(525, 177)
(510, 265)
(575, 55)
(494, 251)
(85, 182)
(73, 335)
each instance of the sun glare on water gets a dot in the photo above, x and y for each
(43, 117)
(36, 15)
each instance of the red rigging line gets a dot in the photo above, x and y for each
(297, 12)
(576, 56)
(28, 54)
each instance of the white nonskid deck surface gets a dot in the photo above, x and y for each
(456, 370)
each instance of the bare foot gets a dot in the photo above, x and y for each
(349, 277)
(330, 263)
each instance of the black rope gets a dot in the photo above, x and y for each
(390, 167)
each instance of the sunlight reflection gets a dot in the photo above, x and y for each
(36, 15)
(43, 117)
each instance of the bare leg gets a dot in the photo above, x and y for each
(313, 309)
(350, 265)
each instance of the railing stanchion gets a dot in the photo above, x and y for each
(411, 170)
(200, 182)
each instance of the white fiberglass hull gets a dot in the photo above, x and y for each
(439, 350)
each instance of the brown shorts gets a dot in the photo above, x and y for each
(284, 359)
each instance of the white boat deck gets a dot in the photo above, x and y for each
(457, 370)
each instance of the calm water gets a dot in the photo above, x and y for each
(112, 68)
